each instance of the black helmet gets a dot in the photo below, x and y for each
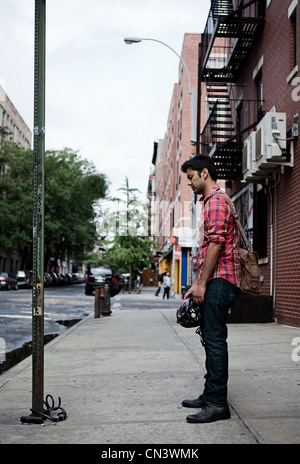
(188, 314)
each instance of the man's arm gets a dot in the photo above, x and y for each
(198, 289)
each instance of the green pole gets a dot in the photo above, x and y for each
(38, 209)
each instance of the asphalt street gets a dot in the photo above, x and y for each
(62, 305)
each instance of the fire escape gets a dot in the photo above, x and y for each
(231, 32)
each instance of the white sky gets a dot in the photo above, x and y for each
(108, 100)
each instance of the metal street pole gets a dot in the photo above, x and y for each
(41, 409)
(38, 209)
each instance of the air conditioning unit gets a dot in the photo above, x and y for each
(271, 144)
(248, 157)
(251, 173)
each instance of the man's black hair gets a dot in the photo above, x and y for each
(198, 163)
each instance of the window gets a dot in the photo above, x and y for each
(244, 206)
(293, 34)
(252, 208)
(293, 40)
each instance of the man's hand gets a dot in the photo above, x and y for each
(197, 291)
(198, 288)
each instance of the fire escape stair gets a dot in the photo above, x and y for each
(232, 24)
(241, 31)
(220, 109)
(228, 159)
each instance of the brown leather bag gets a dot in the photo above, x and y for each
(250, 282)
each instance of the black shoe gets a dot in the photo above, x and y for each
(196, 403)
(210, 413)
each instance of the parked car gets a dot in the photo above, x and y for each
(98, 277)
(47, 279)
(75, 278)
(78, 277)
(29, 279)
(8, 281)
(101, 276)
(61, 279)
(54, 278)
(20, 276)
(69, 278)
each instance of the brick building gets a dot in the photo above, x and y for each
(251, 83)
(248, 84)
(12, 126)
(168, 189)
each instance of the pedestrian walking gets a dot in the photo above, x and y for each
(160, 281)
(215, 288)
(167, 285)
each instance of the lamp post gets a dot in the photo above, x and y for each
(133, 40)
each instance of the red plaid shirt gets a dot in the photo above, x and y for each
(219, 227)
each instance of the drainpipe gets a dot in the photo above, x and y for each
(271, 242)
(275, 245)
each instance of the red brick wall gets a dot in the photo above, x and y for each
(275, 47)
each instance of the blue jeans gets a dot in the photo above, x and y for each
(157, 291)
(220, 295)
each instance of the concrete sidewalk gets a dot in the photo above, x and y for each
(122, 378)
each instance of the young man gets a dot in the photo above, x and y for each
(160, 281)
(215, 288)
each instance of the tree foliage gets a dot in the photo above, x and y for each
(72, 186)
(129, 254)
(129, 250)
(15, 201)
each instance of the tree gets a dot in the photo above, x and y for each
(72, 187)
(92, 259)
(129, 253)
(130, 250)
(16, 202)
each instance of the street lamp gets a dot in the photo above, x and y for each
(132, 40)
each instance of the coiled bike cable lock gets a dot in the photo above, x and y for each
(47, 412)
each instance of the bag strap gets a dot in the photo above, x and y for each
(236, 218)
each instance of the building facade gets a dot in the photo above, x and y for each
(249, 73)
(171, 198)
(12, 126)
(248, 86)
